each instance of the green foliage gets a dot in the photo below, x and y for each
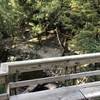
(88, 37)
(2, 89)
(8, 19)
(86, 42)
(43, 16)
(26, 19)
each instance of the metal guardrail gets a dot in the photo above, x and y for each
(39, 64)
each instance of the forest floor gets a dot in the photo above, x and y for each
(29, 50)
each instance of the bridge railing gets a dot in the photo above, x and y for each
(9, 68)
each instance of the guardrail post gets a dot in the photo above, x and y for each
(5, 81)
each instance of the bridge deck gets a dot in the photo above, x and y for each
(79, 92)
(89, 90)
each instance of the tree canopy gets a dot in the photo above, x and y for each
(75, 23)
